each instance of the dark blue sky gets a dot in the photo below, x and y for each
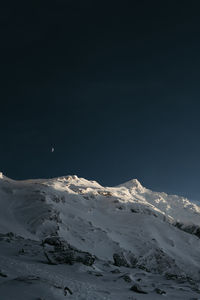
(113, 86)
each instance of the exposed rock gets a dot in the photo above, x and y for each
(126, 259)
(48, 259)
(158, 261)
(67, 291)
(126, 277)
(119, 207)
(2, 274)
(105, 193)
(159, 291)
(27, 279)
(21, 251)
(192, 229)
(53, 241)
(65, 253)
(137, 288)
(95, 273)
(120, 260)
(133, 210)
(10, 235)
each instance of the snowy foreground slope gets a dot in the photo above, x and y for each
(70, 238)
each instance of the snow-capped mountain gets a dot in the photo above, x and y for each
(71, 237)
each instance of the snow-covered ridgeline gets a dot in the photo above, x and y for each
(126, 226)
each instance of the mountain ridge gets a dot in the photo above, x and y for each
(127, 226)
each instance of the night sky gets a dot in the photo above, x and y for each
(113, 86)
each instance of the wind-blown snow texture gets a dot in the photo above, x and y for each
(72, 238)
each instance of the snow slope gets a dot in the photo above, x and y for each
(145, 234)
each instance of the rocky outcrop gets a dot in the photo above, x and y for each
(137, 289)
(60, 252)
(124, 259)
(192, 228)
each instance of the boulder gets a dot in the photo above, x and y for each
(137, 288)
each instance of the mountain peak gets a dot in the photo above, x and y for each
(132, 184)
